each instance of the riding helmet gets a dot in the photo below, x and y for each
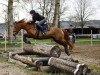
(32, 11)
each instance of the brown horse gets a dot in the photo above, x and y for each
(60, 36)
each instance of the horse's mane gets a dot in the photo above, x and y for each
(21, 21)
(24, 21)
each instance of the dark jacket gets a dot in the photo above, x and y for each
(37, 17)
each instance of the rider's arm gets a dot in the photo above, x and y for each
(33, 19)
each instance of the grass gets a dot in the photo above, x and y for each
(87, 41)
(95, 68)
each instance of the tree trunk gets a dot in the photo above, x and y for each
(56, 13)
(46, 50)
(66, 65)
(10, 20)
(28, 61)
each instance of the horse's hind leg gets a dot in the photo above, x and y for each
(25, 36)
(64, 44)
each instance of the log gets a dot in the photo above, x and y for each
(64, 62)
(49, 69)
(42, 59)
(68, 58)
(85, 69)
(28, 61)
(46, 50)
(68, 69)
(74, 68)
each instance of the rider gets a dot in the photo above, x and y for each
(37, 17)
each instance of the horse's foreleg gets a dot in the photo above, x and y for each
(25, 36)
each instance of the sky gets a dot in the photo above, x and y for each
(26, 15)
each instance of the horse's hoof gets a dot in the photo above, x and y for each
(67, 52)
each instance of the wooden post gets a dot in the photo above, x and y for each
(91, 39)
(46, 50)
(28, 61)
(22, 39)
(5, 36)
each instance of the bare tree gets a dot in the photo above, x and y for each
(10, 20)
(56, 13)
(47, 8)
(83, 11)
(63, 9)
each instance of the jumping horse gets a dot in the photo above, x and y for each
(59, 35)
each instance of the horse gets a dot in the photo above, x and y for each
(59, 35)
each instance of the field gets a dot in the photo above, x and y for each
(83, 52)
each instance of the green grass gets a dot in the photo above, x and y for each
(95, 68)
(87, 41)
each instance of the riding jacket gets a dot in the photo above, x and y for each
(37, 17)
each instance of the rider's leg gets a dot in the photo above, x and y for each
(42, 22)
(40, 26)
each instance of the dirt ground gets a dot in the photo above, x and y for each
(89, 55)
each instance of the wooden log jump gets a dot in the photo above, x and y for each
(46, 50)
(28, 61)
(50, 59)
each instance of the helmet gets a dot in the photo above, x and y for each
(32, 11)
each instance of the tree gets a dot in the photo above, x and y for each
(47, 8)
(10, 20)
(56, 13)
(83, 12)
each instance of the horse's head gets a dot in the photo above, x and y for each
(18, 26)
